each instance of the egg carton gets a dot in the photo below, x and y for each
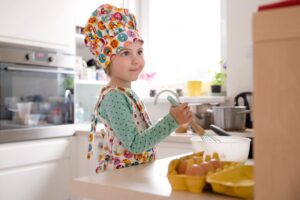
(235, 181)
(194, 184)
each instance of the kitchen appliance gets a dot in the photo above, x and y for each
(230, 117)
(245, 99)
(36, 89)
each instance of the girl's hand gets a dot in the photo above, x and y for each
(181, 113)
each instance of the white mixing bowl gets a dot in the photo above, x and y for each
(229, 148)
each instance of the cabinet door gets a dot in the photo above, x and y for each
(277, 103)
(36, 170)
(46, 181)
(48, 23)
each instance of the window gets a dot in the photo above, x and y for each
(182, 39)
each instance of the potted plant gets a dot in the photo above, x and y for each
(218, 80)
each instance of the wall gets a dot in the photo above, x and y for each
(238, 44)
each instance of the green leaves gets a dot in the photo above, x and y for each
(219, 78)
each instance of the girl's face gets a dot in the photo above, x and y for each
(127, 64)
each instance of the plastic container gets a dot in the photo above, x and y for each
(230, 148)
(24, 108)
(194, 88)
(32, 119)
(235, 181)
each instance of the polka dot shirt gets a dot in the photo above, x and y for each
(116, 110)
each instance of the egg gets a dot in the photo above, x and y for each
(183, 165)
(197, 159)
(215, 163)
(195, 170)
(207, 167)
(216, 156)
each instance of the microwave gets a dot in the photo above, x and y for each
(36, 92)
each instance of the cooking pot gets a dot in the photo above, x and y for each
(204, 119)
(230, 118)
(204, 115)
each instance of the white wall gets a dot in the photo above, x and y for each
(238, 45)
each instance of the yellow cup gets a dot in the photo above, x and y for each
(194, 88)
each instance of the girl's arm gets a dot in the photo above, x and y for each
(116, 109)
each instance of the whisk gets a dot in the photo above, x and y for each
(210, 138)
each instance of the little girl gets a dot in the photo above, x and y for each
(129, 138)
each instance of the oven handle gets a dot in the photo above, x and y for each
(40, 70)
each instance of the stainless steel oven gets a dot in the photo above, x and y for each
(36, 92)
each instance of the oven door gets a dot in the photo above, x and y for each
(35, 96)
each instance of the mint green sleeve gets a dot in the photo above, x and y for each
(116, 109)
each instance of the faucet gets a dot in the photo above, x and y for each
(163, 91)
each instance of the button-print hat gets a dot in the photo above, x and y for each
(108, 30)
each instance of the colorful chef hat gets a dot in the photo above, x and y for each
(108, 30)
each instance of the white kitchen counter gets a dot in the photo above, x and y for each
(83, 129)
(146, 181)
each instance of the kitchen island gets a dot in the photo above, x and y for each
(147, 181)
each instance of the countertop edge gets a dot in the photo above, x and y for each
(148, 181)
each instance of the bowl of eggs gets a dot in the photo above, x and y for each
(229, 148)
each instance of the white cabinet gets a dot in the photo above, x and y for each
(35, 170)
(167, 149)
(45, 23)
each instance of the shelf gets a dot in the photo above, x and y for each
(91, 82)
(191, 100)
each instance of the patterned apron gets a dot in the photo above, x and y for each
(111, 153)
